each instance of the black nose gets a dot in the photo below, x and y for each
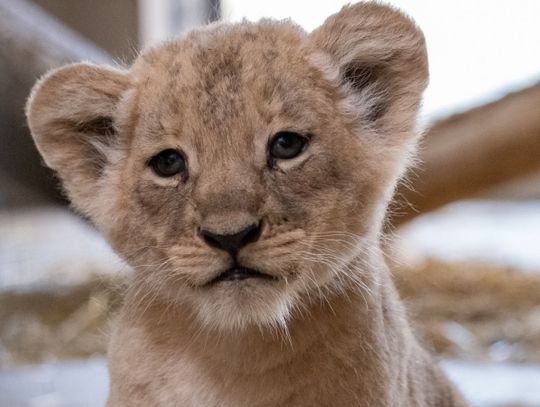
(233, 242)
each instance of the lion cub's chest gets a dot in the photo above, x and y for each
(144, 375)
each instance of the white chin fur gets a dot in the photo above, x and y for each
(235, 308)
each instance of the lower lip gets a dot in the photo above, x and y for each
(239, 274)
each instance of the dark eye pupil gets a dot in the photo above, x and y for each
(287, 145)
(168, 163)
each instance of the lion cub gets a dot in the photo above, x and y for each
(243, 171)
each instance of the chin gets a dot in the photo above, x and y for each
(239, 305)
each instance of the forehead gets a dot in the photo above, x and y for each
(228, 79)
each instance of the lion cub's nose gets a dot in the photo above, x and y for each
(232, 243)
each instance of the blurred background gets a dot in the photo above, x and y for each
(464, 229)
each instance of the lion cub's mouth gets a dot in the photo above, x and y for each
(239, 273)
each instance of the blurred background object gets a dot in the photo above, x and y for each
(464, 229)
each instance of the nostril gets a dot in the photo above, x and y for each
(252, 234)
(210, 239)
(233, 242)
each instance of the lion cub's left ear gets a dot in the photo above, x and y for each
(379, 57)
(71, 113)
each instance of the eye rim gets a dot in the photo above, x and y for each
(305, 139)
(182, 170)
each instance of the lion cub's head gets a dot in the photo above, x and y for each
(240, 168)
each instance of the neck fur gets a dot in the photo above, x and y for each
(340, 322)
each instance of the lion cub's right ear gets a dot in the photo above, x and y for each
(71, 114)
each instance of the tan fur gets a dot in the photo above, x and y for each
(331, 330)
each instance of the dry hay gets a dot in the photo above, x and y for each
(474, 312)
(70, 322)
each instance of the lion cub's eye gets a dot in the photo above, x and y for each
(287, 144)
(168, 163)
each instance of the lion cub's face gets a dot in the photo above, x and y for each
(240, 168)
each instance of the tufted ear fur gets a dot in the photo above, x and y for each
(71, 114)
(380, 60)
